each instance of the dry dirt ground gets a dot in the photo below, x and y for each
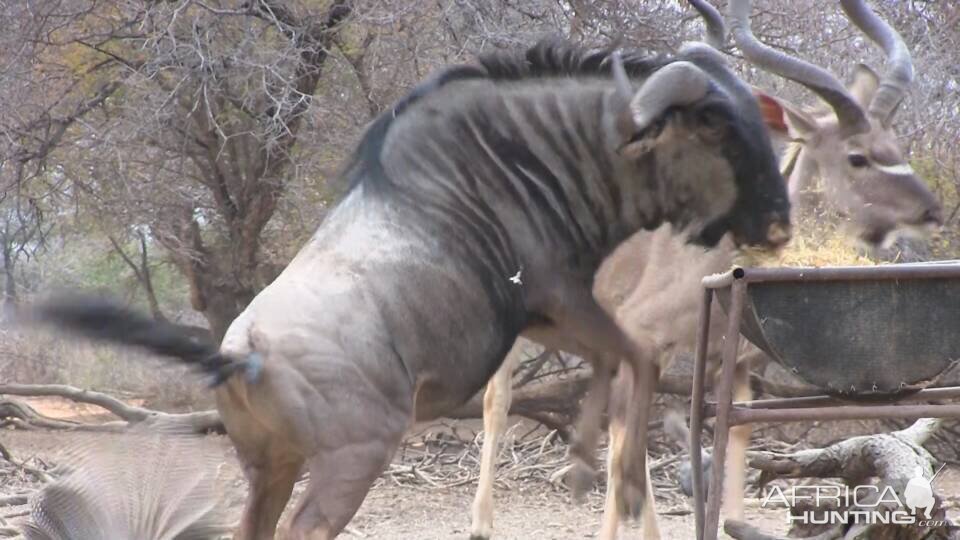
(435, 504)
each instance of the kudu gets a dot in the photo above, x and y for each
(652, 282)
(479, 208)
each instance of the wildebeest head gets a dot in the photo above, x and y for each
(702, 129)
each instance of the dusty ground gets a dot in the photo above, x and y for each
(404, 511)
(404, 506)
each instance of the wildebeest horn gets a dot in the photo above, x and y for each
(894, 83)
(851, 116)
(716, 30)
(679, 83)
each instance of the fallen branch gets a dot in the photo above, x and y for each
(12, 410)
(559, 396)
(893, 458)
(530, 371)
(197, 422)
(14, 500)
(79, 395)
(553, 404)
(883, 455)
(760, 386)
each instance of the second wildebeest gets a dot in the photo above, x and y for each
(479, 208)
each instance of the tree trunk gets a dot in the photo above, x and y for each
(224, 270)
(9, 306)
(222, 308)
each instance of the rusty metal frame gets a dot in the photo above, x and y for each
(728, 413)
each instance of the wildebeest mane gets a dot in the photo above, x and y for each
(551, 57)
(365, 161)
(557, 57)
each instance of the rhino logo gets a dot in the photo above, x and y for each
(919, 494)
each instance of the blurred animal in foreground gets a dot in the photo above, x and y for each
(138, 486)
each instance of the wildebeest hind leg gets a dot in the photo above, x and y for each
(339, 480)
(269, 463)
(271, 483)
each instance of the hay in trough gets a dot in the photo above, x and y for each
(813, 245)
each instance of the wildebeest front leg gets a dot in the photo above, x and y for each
(576, 315)
(622, 389)
(584, 445)
(635, 482)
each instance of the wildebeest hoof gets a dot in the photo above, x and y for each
(632, 500)
(685, 474)
(580, 479)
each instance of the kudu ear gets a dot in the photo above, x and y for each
(784, 119)
(864, 86)
(772, 113)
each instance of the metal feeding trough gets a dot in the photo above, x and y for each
(872, 339)
(869, 337)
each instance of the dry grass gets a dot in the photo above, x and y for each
(41, 358)
(815, 244)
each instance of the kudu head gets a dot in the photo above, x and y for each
(851, 146)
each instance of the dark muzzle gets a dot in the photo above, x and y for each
(771, 233)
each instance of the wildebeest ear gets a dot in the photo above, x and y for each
(643, 143)
(784, 118)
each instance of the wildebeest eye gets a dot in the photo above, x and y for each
(858, 160)
(711, 124)
(711, 118)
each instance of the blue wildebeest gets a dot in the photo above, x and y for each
(479, 208)
(865, 176)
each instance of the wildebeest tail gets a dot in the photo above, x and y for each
(104, 320)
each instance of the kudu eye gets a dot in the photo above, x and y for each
(858, 161)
